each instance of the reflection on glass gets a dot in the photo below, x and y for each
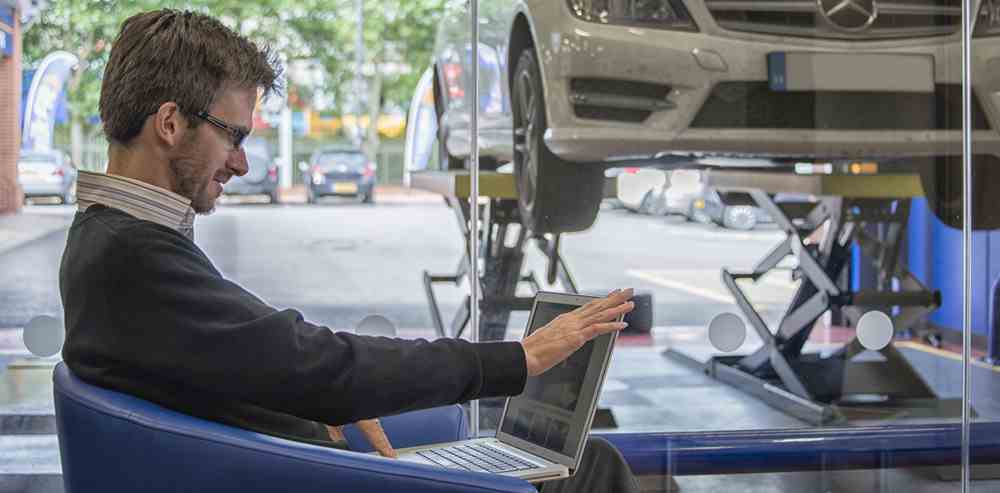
(795, 164)
(982, 369)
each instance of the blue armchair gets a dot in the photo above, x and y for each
(113, 442)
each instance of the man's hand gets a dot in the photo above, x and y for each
(557, 340)
(372, 430)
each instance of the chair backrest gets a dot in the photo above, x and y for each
(113, 442)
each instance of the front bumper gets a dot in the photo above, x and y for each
(691, 65)
(43, 190)
(339, 189)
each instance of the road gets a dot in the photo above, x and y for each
(340, 261)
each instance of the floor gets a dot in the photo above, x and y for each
(645, 391)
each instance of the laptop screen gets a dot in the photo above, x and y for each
(552, 412)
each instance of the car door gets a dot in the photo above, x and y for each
(453, 61)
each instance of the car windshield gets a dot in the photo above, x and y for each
(257, 147)
(37, 158)
(354, 160)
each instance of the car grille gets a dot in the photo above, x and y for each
(617, 100)
(803, 18)
(754, 105)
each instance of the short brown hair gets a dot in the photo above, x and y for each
(184, 57)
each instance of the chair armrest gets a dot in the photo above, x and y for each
(427, 426)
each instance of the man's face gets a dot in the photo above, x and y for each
(206, 159)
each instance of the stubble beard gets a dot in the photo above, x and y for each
(191, 182)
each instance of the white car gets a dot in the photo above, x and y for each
(569, 88)
(640, 189)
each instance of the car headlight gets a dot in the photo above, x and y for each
(661, 14)
(988, 19)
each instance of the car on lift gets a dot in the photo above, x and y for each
(262, 172)
(570, 88)
(731, 210)
(47, 174)
(340, 171)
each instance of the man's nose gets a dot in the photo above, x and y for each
(238, 162)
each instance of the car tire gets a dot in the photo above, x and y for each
(646, 204)
(739, 217)
(272, 197)
(697, 216)
(554, 196)
(69, 197)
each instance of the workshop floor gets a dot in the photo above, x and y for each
(645, 392)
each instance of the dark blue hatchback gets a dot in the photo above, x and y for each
(340, 172)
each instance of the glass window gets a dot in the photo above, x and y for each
(782, 184)
(982, 341)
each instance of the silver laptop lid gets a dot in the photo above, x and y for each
(552, 417)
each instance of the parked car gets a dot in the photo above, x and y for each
(732, 210)
(569, 88)
(340, 172)
(641, 189)
(685, 186)
(262, 177)
(47, 174)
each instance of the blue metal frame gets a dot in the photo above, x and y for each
(993, 350)
(804, 449)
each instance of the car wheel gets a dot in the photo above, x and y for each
(553, 195)
(697, 215)
(272, 197)
(741, 217)
(646, 204)
(69, 197)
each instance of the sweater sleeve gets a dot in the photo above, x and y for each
(183, 322)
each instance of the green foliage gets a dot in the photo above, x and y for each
(396, 32)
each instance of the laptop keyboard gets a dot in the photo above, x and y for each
(476, 457)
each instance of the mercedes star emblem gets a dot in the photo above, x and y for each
(849, 15)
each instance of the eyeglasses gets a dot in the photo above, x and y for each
(237, 134)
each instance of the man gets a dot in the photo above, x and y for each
(148, 314)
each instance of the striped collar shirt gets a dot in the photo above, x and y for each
(138, 199)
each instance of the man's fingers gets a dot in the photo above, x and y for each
(616, 297)
(595, 330)
(336, 433)
(611, 313)
(373, 432)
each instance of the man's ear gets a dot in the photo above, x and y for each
(169, 125)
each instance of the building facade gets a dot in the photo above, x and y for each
(10, 103)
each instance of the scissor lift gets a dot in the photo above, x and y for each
(871, 212)
(503, 241)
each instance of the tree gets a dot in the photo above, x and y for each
(399, 36)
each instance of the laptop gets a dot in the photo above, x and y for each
(542, 432)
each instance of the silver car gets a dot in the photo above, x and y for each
(571, 87)
(47, 174)
(262, 173)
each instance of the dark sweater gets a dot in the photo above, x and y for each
(148, 314)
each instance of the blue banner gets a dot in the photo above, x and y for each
(62, 103)
(6, 32)
(42, 104)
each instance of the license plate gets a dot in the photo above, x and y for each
(345, 187)
(876, 72)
